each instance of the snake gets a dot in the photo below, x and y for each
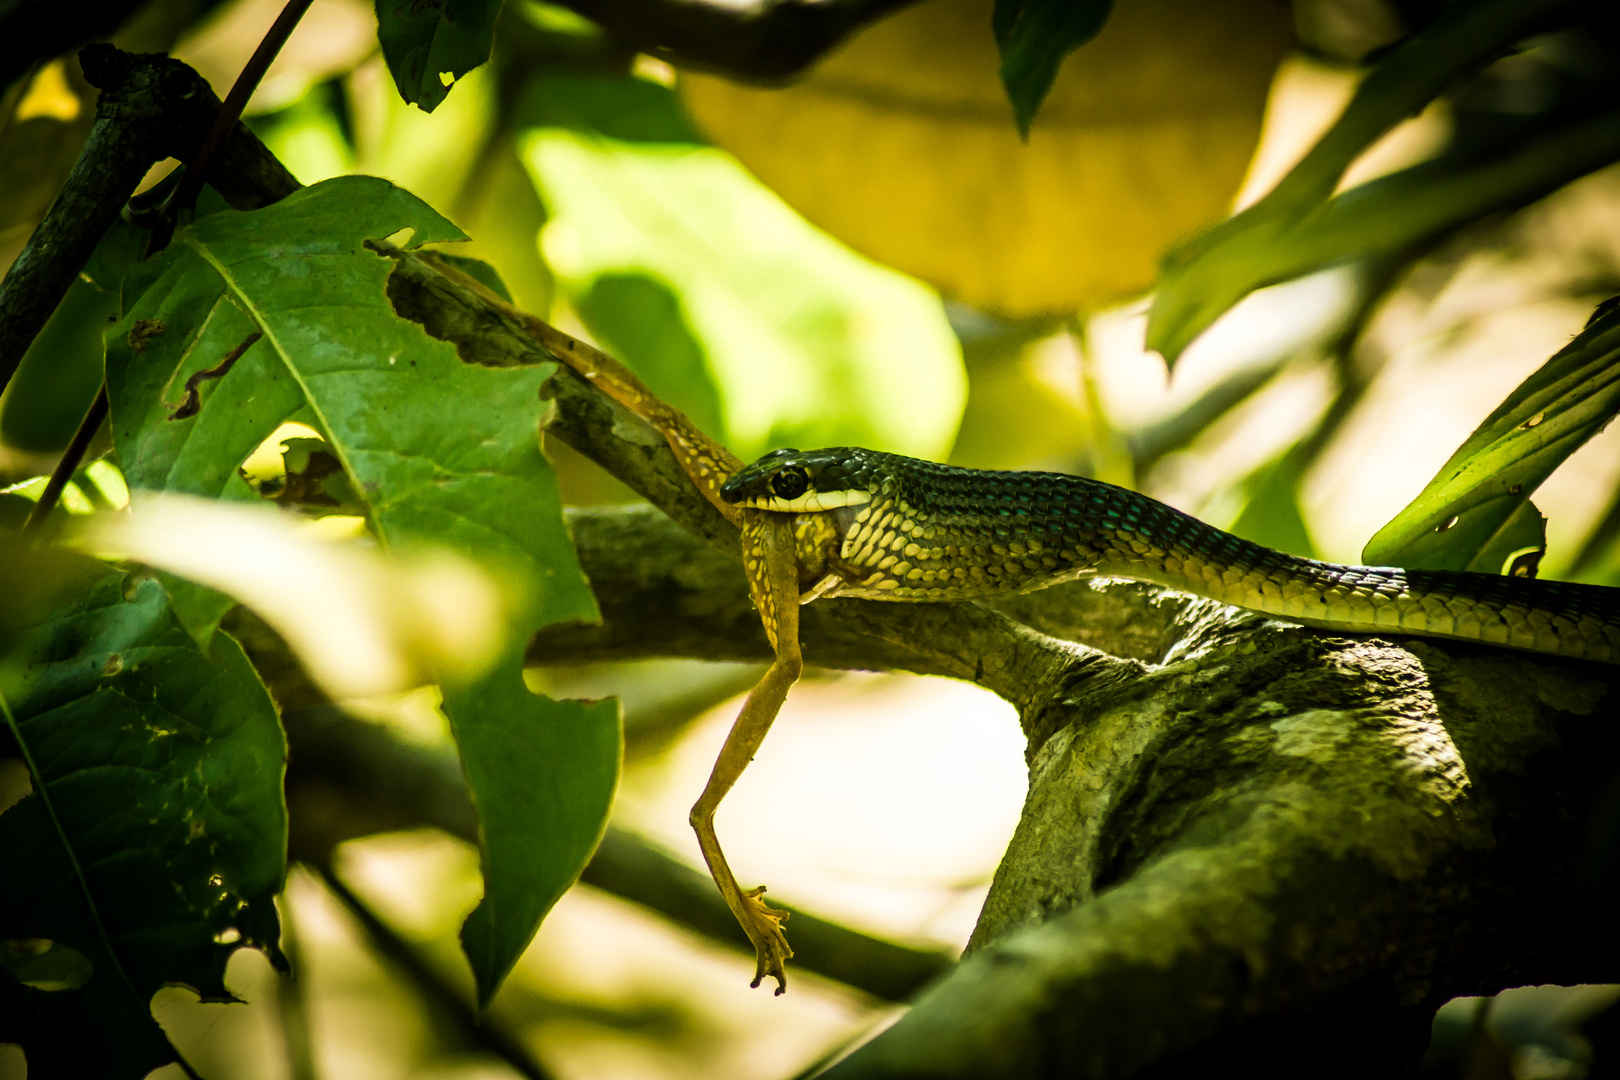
(912, 530)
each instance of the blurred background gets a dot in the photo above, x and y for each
(870, 255)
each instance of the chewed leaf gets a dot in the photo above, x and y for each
(156, 836)
(1472, 515)
(285, 312)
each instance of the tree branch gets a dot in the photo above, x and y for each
(151, 108)
(765, 40)
(1275, 823)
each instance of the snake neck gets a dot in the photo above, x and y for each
(934, 532)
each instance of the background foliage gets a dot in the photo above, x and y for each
(954, 237)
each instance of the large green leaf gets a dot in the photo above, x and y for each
(156, 837)
(421, 41)
(1034, 36)
(438, 449)
(1300, 227)
(1476, 511)
(682, 260)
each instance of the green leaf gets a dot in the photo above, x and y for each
(440, 451)
(1273, 516)
(423, 40)
(1034, 36)
(1301, 227)
(542, 774)
(156, 837)
(1475, 513)
(802, 341)
(59, 374)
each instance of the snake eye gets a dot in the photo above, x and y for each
(790, 483)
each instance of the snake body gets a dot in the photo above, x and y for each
(906, 529)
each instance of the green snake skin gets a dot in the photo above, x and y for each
(914, 530)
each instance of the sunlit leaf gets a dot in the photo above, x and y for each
(806, 342)
(441, 451)
(1301, 227)
(423, 41)
(1472, 515)
(156, 837)
(362, 623)
(1034, 36)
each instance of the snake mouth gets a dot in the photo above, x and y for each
(809, 503)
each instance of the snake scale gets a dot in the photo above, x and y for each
(906, 529)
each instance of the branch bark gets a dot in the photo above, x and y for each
(767, 40)
(151, 108)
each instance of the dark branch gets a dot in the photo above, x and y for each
(151, 108)
(765, 40)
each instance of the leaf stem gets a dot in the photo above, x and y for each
(67, 465)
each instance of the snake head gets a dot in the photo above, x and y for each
(797, 481)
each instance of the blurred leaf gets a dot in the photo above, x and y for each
(1299, 227)
(1034, 36)
(629, 110)
(156, 837)
(440, 450)
(362, 623)
(307, 136)
(59, 374)
(433, 157)
(421, 41)
(640, 321)
(805, 342)
(121, 247)
(1273, 516)
(1473, 513)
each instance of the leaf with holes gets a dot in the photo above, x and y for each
(423, 40)
(1476, 514)
(249, 320)
(156, 837)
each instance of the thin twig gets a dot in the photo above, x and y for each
(440, 995)
(67, 465)
(185, 195)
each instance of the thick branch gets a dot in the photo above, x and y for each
(1279, 822)
(765, 40)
